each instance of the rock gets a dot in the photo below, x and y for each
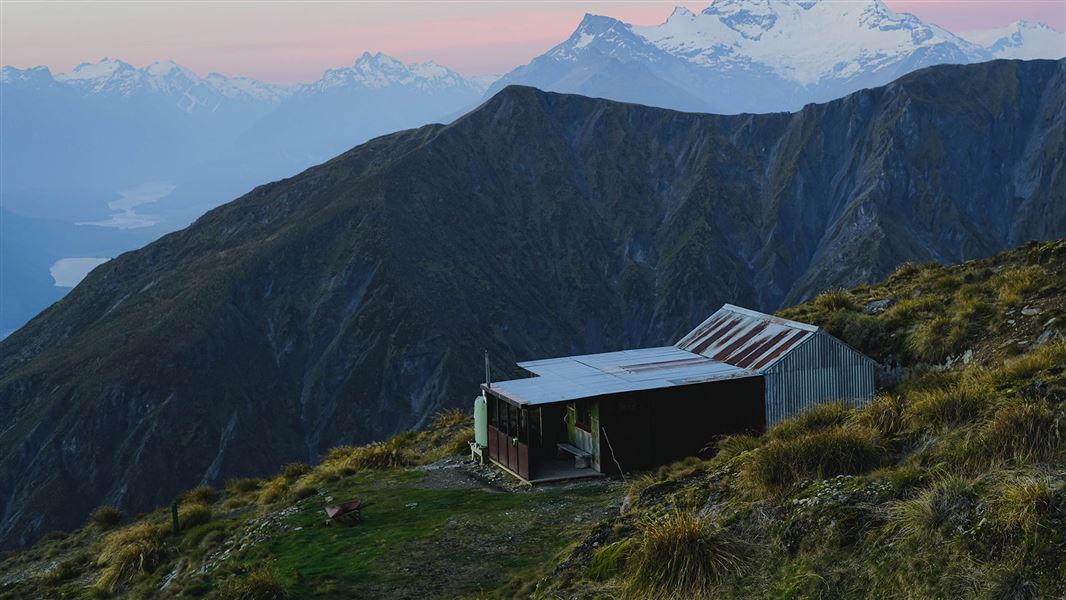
(411, 504)
(1048, 335)
(876, 307)
(1030, 311)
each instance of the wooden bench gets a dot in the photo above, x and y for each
(581, 458)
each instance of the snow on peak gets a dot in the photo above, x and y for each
(103, 69)
(805, 42)
(379, 70)
(1022, 40)
(682, 12)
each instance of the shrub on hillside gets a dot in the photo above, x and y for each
(818, 455)
(127, 552)
(681, 556)
(106, 517)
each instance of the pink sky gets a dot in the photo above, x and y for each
(287, 42)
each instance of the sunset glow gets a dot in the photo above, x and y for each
(285, 42)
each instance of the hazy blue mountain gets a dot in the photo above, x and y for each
(113, 146)
(759, 55)
(354, 300)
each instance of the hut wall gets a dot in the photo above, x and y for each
(819, 370)
(639, 430)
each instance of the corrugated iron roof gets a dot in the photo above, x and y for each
(573, 377)
(745, 338)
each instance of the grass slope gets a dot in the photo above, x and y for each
(952, 482)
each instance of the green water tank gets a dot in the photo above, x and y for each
(481, 421)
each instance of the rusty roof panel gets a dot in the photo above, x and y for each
(745, 338)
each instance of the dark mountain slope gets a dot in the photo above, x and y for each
(354, 300)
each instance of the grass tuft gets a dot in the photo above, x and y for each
(838, 299)
(106, 517)
(681, 556)
(200, 495)
(131, 551)
(885, 414)
(192, 515)
(949, 405)
(814, 419)
(940, 509)
(782, 463)
(1024, 432)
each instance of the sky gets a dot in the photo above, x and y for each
(288, 42)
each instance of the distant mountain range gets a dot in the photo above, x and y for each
(79, 145)
(354, 300)
(763, 55)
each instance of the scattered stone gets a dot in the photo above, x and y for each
(1011, 321)
(876, 307)
(1030, 311)
(411, 504)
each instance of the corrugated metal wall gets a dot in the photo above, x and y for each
(819, 370)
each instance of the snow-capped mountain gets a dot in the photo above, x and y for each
(167, 79)
(1023, 40)
(745, 55)
(375, 71)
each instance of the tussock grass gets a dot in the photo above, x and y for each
(1013, 285)
(1045, 357)
(200, 495)
(681, 556)
(609, 560)
(295, 470)
(106, 517)
(934, 340)
(838, 299)
(731, 446)
(378, 456)
(243, 485)
(1021, 503)
(909, 310)
(942, 508)
(947, 406)
(192, 515)
(273, 490)
(130, 551)
(814, 419)
(1024, 432)
(781, 463)
(885, 414)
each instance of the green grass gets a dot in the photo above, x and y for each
(461, 541)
